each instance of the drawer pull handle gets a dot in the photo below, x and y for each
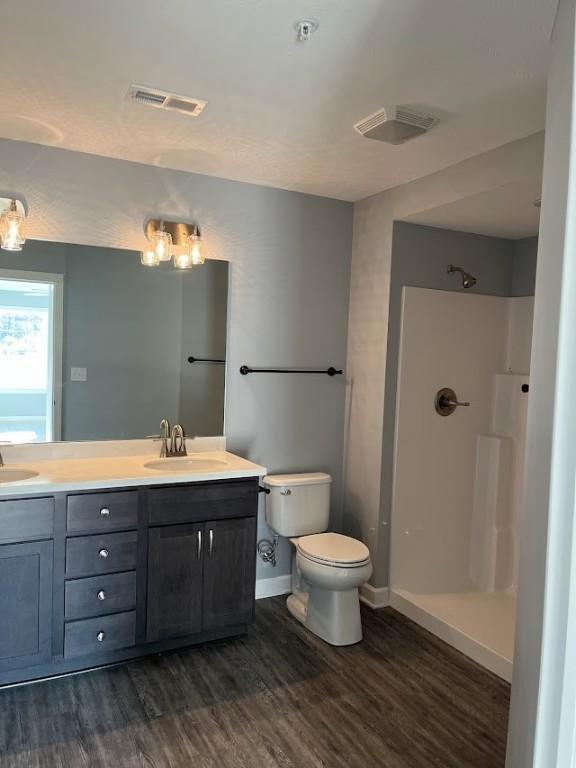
(199, 551)
(104, 511)
(103, 554)
(211, 543)
(101, 595)
(101, 636)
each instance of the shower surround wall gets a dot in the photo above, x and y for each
(419, 258)
(367, 491)
(458, 479)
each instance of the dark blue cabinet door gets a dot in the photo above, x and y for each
(25, 604)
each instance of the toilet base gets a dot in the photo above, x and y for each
(334, 616)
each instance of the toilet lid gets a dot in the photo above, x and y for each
(333, 548)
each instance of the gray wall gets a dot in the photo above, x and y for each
(290, 280)
(419, 258)
(124, 324)
(204, 335)
(524, 271)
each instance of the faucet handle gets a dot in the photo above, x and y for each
(178, 441)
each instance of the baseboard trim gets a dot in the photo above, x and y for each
(276, 585)
(375, 597)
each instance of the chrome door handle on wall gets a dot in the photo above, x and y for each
(446, 402)
(211, 544)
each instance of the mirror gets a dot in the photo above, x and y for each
(95, 346)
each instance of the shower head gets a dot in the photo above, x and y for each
(468, 280)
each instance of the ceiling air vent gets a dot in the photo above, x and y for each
(166, 100)
(394, 125)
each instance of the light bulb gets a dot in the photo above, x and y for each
(149, 258)
(162, 244)
(183, 260)
(195, 246)
(12, 229)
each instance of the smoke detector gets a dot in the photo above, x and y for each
(395, 125)
(152, 97)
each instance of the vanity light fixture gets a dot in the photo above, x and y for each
(171, 240)
(162, 243)
(183, 260)
(12, 226)
(149, 258)
(195, 244)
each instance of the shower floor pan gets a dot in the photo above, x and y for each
(479, 624)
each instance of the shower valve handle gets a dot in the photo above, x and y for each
(446, 402)
(453, 403)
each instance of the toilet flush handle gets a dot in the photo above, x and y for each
(285, 492)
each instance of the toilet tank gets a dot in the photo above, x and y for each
(298, 505)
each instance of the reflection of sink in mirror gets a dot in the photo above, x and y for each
(186, 464)
(13, 475)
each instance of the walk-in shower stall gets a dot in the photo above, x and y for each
(458, 472)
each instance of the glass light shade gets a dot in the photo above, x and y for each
(149, 258)
(183, 260)
(195, 247)
(12, 229)
(162, 245)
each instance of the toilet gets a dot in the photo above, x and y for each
(327, 568)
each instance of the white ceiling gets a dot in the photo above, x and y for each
(280, 113)
(506, 211)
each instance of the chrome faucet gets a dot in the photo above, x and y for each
(164, 435)
(177, 442)
(177, 446)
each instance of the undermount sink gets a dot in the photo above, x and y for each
(186, 464)
(13, 475)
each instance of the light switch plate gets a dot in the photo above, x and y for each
(78, 374)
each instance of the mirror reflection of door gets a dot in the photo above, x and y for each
(30, 356)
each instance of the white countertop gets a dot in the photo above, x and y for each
(116, 471)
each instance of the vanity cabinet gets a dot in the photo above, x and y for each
(25, 604)
(200, 577)
(229, 572)
(89, 578)
(175, 564)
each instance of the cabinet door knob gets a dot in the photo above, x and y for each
(105, 511)
(103, 554)
(101, 636)
(101, 595)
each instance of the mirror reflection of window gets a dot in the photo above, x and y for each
(30, 356)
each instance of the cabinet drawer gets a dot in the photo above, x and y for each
(194, 503)
(106, 553)
(26, 519)
(102, 511)
(99, 595)
(102, 634)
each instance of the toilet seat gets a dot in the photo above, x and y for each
(334, 550)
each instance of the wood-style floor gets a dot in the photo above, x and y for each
(278, 697)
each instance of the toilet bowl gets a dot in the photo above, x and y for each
(332, 568)
(328, 568)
